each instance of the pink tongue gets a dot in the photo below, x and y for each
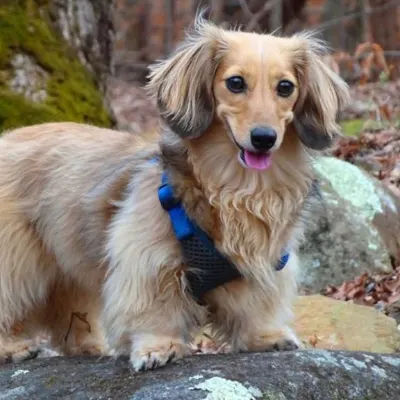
(257, 160)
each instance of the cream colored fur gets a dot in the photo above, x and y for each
(82, 232)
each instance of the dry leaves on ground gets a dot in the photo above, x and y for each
(374, 100)
(376, 152)
(369, 289)
(381, 291)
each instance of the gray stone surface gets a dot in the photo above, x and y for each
(301, 375)
(28, 78)
(356, 229)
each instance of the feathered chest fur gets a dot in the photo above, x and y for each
(251, 217)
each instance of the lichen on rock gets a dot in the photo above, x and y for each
(225, 389)
(351, 184)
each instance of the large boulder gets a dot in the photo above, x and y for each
(325, 323)
(300, 375)
(356, 229)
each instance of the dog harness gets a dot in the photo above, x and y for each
(208, 268)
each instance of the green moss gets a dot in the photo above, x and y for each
(352, 127)
(72, 91)
(16, 111)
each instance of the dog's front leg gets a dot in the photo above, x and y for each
(151, 321)
(248, 318)
(145, 313)
(152, 336)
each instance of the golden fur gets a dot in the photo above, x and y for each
(82, 230)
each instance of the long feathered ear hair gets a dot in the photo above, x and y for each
(322, 94)
(182, 84)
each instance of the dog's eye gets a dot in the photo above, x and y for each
(285, 88)
(236, 84)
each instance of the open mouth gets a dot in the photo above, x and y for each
(251, 159)
(260, 161)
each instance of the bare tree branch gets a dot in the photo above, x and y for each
(217, 9)
(268, 6)
(369, 11)
(247, 12)
(169, 26)
(276, 16)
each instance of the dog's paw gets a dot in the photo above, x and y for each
(288, 341)
(205, 344)
(19, 352)
(280, 340)
(157, 352)
(283, 345)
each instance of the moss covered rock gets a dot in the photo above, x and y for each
(41, 78)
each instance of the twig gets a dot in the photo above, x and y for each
(81, 317)
(169, 26)
(246, 10)
(276, 16)
(217, 7)
(268, 6)
(346, 17)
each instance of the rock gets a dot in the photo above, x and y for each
(41, 77)
(393, 311)
(325, 323)
(356, 230)
(28, 78)
(300, 375)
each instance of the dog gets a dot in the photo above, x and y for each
(82, 230)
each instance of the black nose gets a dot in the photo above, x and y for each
(263, 138)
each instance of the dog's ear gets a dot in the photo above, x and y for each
(182, 84)
(322, 94)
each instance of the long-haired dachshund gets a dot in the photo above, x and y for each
(84, 237)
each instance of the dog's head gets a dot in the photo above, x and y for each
(257, 85)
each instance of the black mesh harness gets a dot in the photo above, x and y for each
(207, 267)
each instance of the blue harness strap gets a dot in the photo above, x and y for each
(208, 268)
(181, 224)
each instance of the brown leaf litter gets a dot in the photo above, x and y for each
(376, 152)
